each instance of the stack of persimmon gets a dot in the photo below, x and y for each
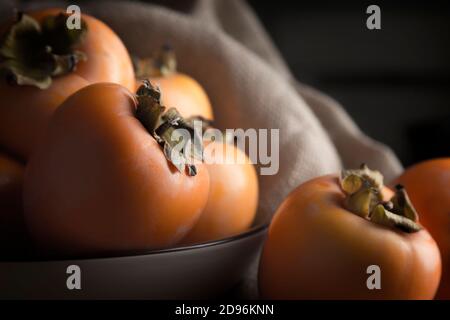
(103, 174)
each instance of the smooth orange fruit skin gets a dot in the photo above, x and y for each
(233, 196)
(100, 183)
(25, 110)
(318, 250)
(428, 186)
(13, 234)
(182, 92)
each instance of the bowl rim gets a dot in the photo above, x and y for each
(127, 254)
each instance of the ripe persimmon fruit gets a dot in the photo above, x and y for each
(101, 181)
(43, 62)
(26, 110)
(179, 90)
(428, 185)
(330, 230)
(233, 194)
(107, 58)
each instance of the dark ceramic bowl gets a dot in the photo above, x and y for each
(204, 270)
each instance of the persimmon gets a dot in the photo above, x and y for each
(43, 62)
(25, 112)
(428, 185)
(330, 230)
(233, 194)
(107, 58)
(102, 182)
(179, 90)
(13, 234)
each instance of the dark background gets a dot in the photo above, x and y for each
(395, 82)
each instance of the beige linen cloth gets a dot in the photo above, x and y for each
(222, 44)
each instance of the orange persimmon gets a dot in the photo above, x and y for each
(100, 182)
(428, 185)
(323, 241)
(107, 58)
(26, 110)
(233, 194)
(178, 90)
(13, 235)
(36, 82)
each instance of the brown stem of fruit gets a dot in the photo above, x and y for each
(402, 204)
(162, 126)
(363, 188)
(149, 108)
(385, 217)
(162, 63)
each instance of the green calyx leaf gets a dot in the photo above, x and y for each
(178, 137)
(31, 54)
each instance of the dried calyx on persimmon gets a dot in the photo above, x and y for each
(38, 51)
(177, 136)
(31, 53)
(363, 188)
